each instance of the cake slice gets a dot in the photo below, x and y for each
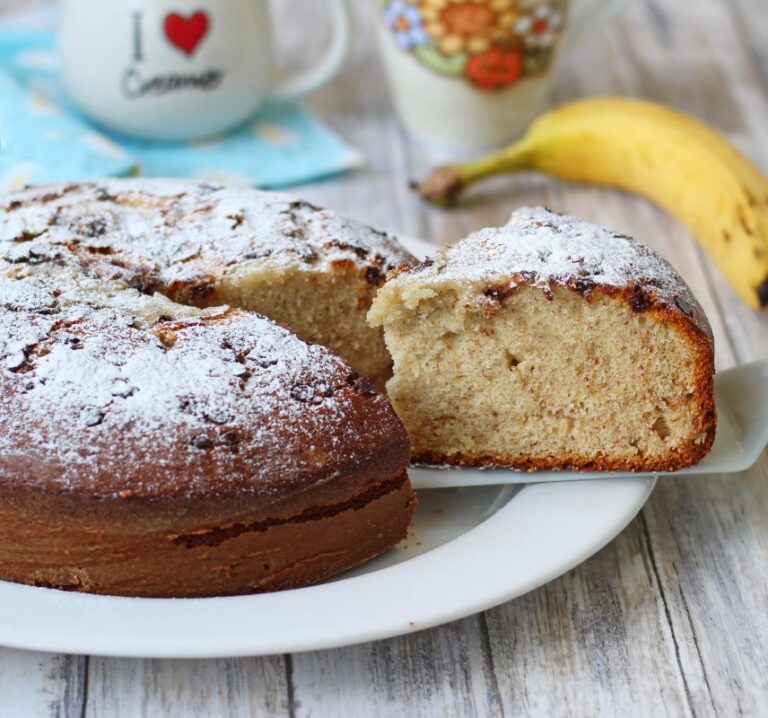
(549, 343)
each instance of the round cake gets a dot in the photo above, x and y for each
(154, 445)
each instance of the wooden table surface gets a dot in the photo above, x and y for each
(669, 619)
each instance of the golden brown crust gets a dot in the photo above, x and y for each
(154, 510)
(203, 245)
(226, 404)
(689, 455)
(195, 547)
(541, 251)
(192, 235)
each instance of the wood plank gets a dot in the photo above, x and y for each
(690, 536)
(170, 688)
(617, 632)
(597, 641)
(442, 672)
(39, 685)
(668, 670)
(489, 205)
(708, 542)
(751, 23)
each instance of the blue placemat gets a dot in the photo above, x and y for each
(43, 138)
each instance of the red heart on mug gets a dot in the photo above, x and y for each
(186, 32)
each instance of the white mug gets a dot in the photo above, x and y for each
(473, 74)
(181, 69)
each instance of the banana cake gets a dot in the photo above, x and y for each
(549, 343)
(207, 245)
(154, 445)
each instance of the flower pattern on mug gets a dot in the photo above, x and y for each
(496, 68)
(471, 25)
(406, 23)
(540, 25)
(491, 43)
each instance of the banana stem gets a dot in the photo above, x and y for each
(445, 185)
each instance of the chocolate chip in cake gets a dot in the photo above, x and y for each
(301, 204)
(237, 219)
(361, 384)
(230, 440)
(216, 415)
(499, 292)
(373, 276)
(202, 441)
(103, 251)
(640, 299)
(683, 306)
(103, 195)
(91, 416)
(305, 394)
(583, 285)
(123, 390)
(265, 362)
(244, 377)
(27, 236)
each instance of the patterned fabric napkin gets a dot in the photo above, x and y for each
(43, 138)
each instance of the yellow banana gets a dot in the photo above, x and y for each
(645, 148)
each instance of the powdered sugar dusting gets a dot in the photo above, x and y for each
(153, 233)
(110, 390)
(539, 247)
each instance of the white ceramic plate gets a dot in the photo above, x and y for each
(469, 549)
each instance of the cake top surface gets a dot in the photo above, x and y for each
(538, 247)
(154, 232)
(108, 390)
(120, 392)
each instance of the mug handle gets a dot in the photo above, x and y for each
(300, 83)
(591, 19)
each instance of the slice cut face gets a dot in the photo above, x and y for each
(549, 344)
(325, 307)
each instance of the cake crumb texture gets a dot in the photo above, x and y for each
(549, 343)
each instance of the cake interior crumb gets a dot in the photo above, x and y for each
(536, 377)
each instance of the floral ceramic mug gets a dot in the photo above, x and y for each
(474, 73)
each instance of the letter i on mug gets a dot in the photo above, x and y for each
(181, 69)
